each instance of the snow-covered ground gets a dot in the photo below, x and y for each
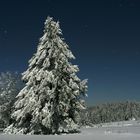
(112, 131)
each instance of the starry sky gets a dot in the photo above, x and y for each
(104, 35)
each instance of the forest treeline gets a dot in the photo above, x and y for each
(111, 112)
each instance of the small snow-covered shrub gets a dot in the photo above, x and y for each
(10, 85)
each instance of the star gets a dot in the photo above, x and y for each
(5, 32)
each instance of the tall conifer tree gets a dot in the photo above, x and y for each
(52, 98)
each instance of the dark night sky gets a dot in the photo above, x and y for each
(104, 35)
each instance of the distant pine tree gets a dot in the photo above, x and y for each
(10, 85)
(52, 98)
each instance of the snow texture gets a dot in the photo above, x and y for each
(110, 131)
(52, 98)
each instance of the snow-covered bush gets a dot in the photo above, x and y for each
(51, 100)
(10, 85)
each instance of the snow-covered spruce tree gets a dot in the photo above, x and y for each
(52, 98)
